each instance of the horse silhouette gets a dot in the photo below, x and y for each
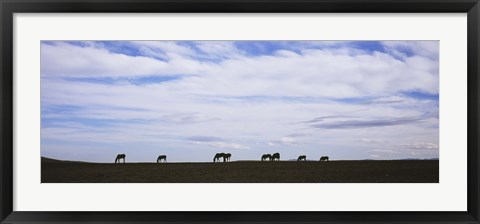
(302, 157)
(226, 157)
(218, 156)
(266, 157)
(324, 158)
(162, 157)
(120, 156)
(275, 156)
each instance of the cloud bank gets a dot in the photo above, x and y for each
(190, 99)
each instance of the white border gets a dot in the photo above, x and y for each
(448, 195)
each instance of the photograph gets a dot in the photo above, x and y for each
(239, 111)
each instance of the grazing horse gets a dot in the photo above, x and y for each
(266, 156)
(275, 156)
(120, 156)
(162, 157)
(226, 157)
(302, 157)
(218, 156)
(324, 158)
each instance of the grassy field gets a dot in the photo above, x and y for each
(374, 171)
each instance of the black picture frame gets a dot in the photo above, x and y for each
(9, 7)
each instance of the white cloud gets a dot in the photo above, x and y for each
(73, 61)
(371, 141)
(421, 145)
(166, 49)
(382, 151)
(428, 49)
(218, 49)
(283, 141)
(224, 145)
(321, 73)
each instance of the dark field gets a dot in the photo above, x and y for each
(397, 171)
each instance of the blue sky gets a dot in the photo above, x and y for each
(192, 99)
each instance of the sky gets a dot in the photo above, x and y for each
(348, 100)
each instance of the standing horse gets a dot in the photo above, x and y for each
(302, 157)
(275, 156)
(120, 156)
(162, 157)
(226, 157)
(324, 158)
(266, 156)
(218, 156)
